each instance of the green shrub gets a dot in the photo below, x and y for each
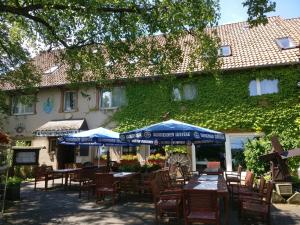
(156, 157)
(147, 168)
(12, 181)
(253, 150)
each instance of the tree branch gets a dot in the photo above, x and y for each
(33, 7)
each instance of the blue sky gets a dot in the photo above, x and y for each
(232, 11)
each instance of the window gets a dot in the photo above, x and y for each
(235, 146)
(186, 92)
(52, 144)
(285, 43)
(128, 150)
(258, 87)
(70, 101)
(113, 98)
(83, 150)
(51, 69)
(22, 105)
(224, 50)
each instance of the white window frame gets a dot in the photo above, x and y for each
(110, 91)
(182, 96)
(75, 102)
(228, 152)
(258, 87)
(221, 52)
(22, 105)
(291, 40)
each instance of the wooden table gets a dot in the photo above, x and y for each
(213, 171)
(211, 182)
(66, 173)
(126, 180)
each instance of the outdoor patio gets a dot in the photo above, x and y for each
(58, 206)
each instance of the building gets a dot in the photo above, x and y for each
(255, 93)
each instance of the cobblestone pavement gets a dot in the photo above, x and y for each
(57, 206)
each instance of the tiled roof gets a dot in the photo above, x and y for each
(250, 47)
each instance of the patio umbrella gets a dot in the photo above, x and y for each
(172, 132)
(94, 137)
(98, 136)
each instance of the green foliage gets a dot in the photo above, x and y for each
(253, 150)
(239, 159)
(129, 157)
(13, 181)
(257, 10)
(138, 168)
(175, 149)
(156, 157)
(222, 103)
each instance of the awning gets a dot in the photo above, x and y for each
(57, 128)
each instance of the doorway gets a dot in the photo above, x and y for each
(209, 152)
(65, 154)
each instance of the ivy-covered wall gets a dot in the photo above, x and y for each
(223, 102)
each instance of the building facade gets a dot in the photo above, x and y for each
(259, 78)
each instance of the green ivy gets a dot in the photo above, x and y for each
(222, 103)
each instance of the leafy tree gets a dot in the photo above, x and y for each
(109, 38)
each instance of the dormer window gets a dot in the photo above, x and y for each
(224, 50)
(51, 69)
(285, 43)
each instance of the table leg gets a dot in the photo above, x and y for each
(226, 208)
(66, 180)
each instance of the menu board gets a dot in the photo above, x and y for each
(26, 156)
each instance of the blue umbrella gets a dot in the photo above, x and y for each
(98, 136)
(172, 132)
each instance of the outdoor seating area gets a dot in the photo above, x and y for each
(203, 198)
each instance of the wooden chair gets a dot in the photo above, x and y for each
(166, 184)
(258, 193)
(86, 179)
(258, 207)
(233, 177)
(201, 206)
(45, 173)
(242, 187)
(166, 204)
(105, 184)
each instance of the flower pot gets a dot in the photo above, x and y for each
(129, 162)
(160, 162)
(13, 192)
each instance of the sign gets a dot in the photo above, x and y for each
(26, 156)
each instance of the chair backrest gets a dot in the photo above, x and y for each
(261, 187)
(249, 179)
(104, 180)
(40, 171)
(88, 174)
(239, 169)
(155, 190)
(270, 187)
(213, 165)
(205, 200)
(165, 178)
(185, 172)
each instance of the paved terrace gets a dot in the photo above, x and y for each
(57, 206)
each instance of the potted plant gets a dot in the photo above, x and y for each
(13, 188)
(157, 159)
(129, 160)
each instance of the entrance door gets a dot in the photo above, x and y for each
(65, 154)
